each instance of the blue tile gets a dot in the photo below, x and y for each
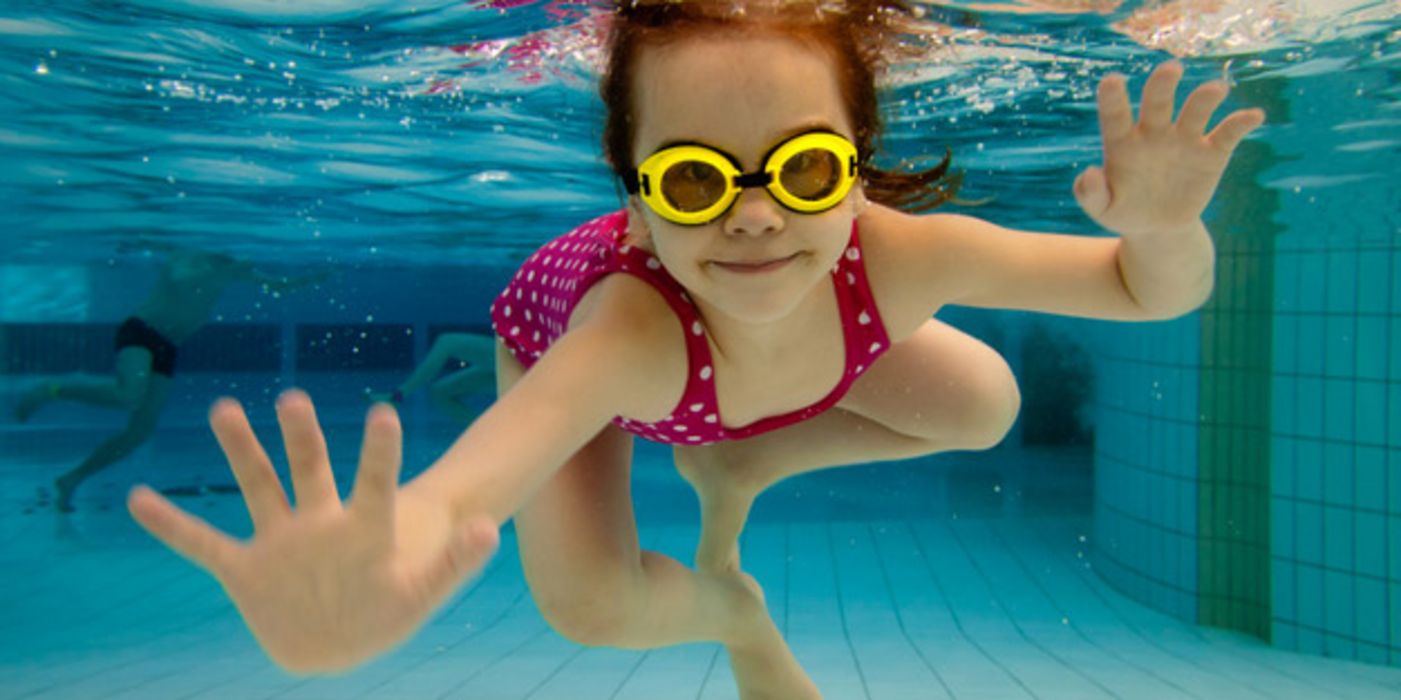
(1371, 610)
(1339, 647)
(1341, 402)
(1310, 641)
(1374, 654)
(1309, 400)
(1191, 396)
(1340, 594)
(1282, 526)
(1311, 283)
(1285, 635)
(1187, 557)
(1337, 473)
(1282, 604)
(1308, 533)
(1395, 281)
(1308, 469)
(1394, 605)
(1342, 281)
(1187, 508)
(1286, 292)
(1282, 466)
(1372, 280)
(1311, 343)
(1393, 483)
(1338, 536)
(1393, 552)
(1393, 363)
(1371, 478)
(1286, 343)
(1284, 409)
(1340, 347)
(1370, 428)
(1371, 544)
(1371, 348)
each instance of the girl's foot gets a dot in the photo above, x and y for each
(764, 666)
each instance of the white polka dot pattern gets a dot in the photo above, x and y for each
(558, 275)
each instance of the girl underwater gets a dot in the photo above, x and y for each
(762, 304)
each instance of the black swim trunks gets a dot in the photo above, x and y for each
(136, 333)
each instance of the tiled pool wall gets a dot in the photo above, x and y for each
(1247, 465)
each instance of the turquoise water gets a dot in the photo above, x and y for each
(1208, 507)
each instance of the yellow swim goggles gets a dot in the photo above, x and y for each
(692, 184)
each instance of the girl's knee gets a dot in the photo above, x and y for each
(993, 407)
(596, 616)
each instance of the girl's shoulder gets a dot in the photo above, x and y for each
(641, 326)
(911, 263)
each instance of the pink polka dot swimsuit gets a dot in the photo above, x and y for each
(534, 310)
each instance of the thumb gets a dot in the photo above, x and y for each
(1092, 192)
(470, 548)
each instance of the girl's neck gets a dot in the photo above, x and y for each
(770, 340)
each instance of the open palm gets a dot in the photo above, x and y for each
(1159, 174)
(329, 584)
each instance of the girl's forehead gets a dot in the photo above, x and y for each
(738, 93)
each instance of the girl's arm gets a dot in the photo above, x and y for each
(623, 355)
(1157, 179)
(330, 584)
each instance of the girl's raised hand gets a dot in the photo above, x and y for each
(1159, 174)
(329, 584)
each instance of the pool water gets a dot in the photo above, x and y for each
(1208, 507)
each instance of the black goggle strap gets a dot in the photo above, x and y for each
(631, 184)
(634, 183)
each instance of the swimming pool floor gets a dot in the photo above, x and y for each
(896, 606)
(896, 610)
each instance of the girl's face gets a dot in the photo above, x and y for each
(743, 95)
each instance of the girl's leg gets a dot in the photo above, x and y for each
(594, 584)
(938, 390)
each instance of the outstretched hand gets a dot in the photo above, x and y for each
(1158, 174)
(329, 584)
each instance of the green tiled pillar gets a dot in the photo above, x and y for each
(1233, 501)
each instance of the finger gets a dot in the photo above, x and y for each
(262, 491)
(471, 546)
(1235, 127)
(189, 536)
(312, 480)
(380, 460)
(1155, 111)
(1199, 106)
(1092, 192)
(1115, 114)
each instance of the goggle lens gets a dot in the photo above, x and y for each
(693, 185)
(812, 174)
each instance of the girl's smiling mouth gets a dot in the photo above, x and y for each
(755, 266)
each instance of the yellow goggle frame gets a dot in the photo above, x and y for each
(649, 180)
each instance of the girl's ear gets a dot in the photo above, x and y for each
(638, 232)
(858, 200)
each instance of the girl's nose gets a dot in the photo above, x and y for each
(755, 213)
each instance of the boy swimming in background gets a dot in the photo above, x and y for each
(191, 282)
(763, 304)
(449, 391)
